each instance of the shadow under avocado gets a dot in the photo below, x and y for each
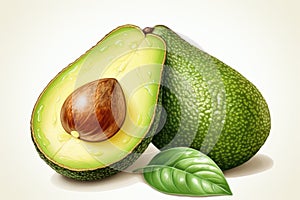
(119, 180)
(259, 163)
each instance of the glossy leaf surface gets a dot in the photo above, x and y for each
(185, 171)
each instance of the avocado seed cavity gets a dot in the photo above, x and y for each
(96, 110)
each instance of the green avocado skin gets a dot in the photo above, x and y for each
(209, 106)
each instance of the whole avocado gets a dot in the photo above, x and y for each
(208, 105)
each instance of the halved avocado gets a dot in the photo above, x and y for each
(136, 61)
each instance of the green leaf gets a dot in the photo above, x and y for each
(185, 171)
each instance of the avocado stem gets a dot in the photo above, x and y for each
(148, 30)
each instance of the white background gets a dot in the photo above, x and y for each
(260, 39)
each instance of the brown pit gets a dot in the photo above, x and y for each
(96, 110)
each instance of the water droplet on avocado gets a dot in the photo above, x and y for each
(148, 89)
(93, 150)
(63, 157)
(45, 141)
(63, 137)
(122, 67)
(133, 45)
(103, 48)
(71, 78)
(96, 153)
(126, 139)
(40, 109)
(58, 99)
(38, 133)
(119, 43)
(63, 77)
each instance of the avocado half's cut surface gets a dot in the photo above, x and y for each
(136, 61)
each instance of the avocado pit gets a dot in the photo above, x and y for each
(96, 110)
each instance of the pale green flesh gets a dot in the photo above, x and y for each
(135, 60)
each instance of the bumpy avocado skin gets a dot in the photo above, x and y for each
(220, 112)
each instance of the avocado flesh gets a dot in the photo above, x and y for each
(210, 106)
(135, 60)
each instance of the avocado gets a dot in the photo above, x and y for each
(125, 58)
(209, 106)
